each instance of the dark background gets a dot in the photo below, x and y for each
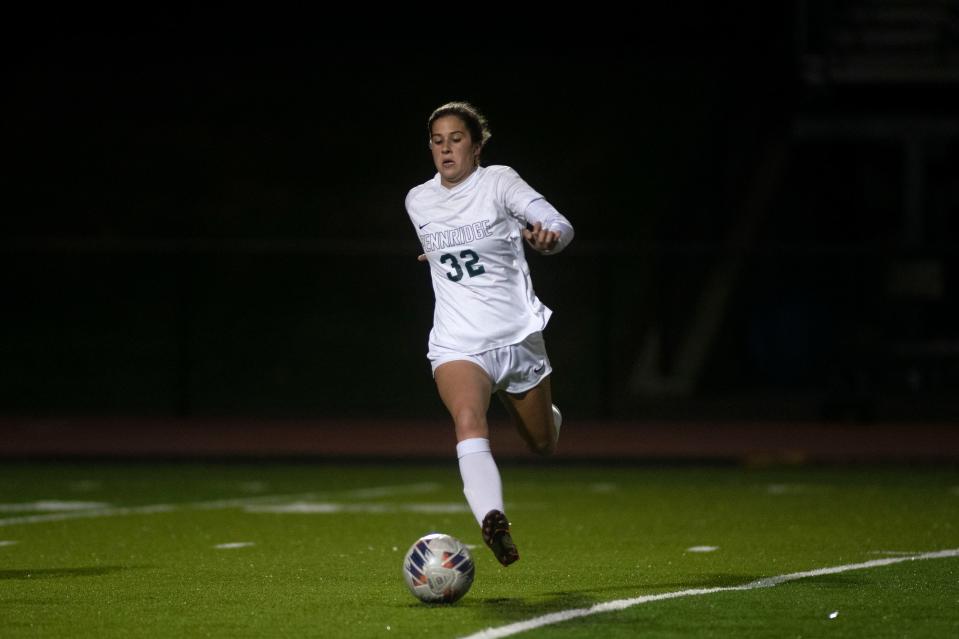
(199, 222)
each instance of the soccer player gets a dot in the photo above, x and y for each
(487, 321)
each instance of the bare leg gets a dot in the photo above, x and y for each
(532, 413)
(465, 390)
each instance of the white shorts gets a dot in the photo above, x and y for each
(515, 368)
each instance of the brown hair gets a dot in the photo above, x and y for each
(475, 121)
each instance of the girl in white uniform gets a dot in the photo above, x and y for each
(486, 337)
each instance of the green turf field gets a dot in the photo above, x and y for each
(137, 550)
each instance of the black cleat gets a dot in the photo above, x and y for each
(496, 535)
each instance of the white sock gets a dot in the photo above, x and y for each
(481, 481)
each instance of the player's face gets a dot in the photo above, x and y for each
(454, 153)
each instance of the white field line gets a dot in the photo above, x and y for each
(331, 508)
(50, 506)
(87, 514)
(234, 544)
(621, 604)
(92, 513)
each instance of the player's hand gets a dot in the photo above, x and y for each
(540, 239)
(421, 257)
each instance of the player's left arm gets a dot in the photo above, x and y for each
(547, 230)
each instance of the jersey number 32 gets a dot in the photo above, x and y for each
(470, 261)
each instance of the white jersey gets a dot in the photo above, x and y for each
(472, 237)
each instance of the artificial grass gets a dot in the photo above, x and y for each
(586, 535)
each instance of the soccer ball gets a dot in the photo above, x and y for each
(438, 569)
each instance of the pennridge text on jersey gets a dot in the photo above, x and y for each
(455, 237)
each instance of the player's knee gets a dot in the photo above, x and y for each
(470, 423)
(543, 447)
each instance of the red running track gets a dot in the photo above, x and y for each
(755, 442)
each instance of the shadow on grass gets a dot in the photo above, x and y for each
(510, 609)
(56, 573)
(515, 608)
